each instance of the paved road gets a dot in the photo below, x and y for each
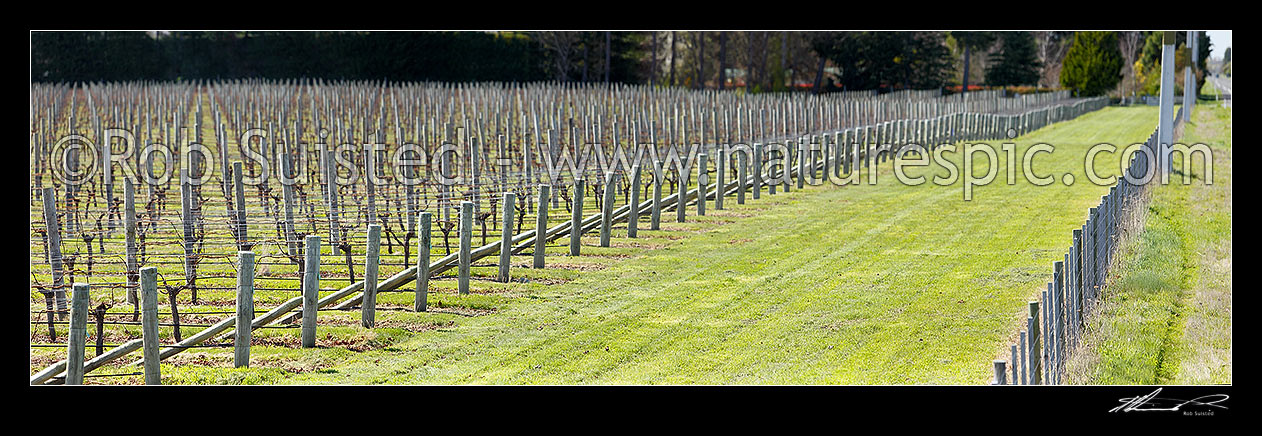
(1223, 83)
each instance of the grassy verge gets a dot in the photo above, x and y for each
(1209, 92)
(1167, 317)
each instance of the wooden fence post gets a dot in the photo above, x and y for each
(240, 223)
(576, 218)
(541, 225)
(785, 169)
(287, 196)
(53, 230)
(606, 213)
(857, 150)
(720, 164)
(819, 154)
(310, 290)
(1089, 258)
(1060, 315)
(368, 306)
(78, 334)
(655, 213)
(1015, 372)
(756, 186)
(1000, 372)
(868, 132)
(149, 325)
(332, 191)
(773, 171)
(803, 156)
(1054, 338)
(1045, 333)
(1115, 215)
(703, 182)
(844, 140)
(187, 200)
(681, 198)
(129, 226)
(245, 309)
(1025, 366)
(466, 246)
(633, 217)
(1036, 352)
(1076, 272)
(422, 262)
(506, 237)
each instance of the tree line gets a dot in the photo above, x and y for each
(753, 61)
(420, 56)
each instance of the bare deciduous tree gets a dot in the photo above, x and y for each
(653, 62)
(672, 58)
(699, 41)
(722, 60)
(563, 46)
(1052, 48)
(1129, 43)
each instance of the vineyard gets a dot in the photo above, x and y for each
(336, 208)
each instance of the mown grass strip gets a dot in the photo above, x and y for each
(885, 284)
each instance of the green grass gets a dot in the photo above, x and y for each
(275, 275)
(884, 284)
(1167, 314)
(1208, 92)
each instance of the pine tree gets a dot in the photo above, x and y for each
(972, 41)
(1093, 65)
(1017, 62)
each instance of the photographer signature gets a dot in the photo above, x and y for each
(1153, 403)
